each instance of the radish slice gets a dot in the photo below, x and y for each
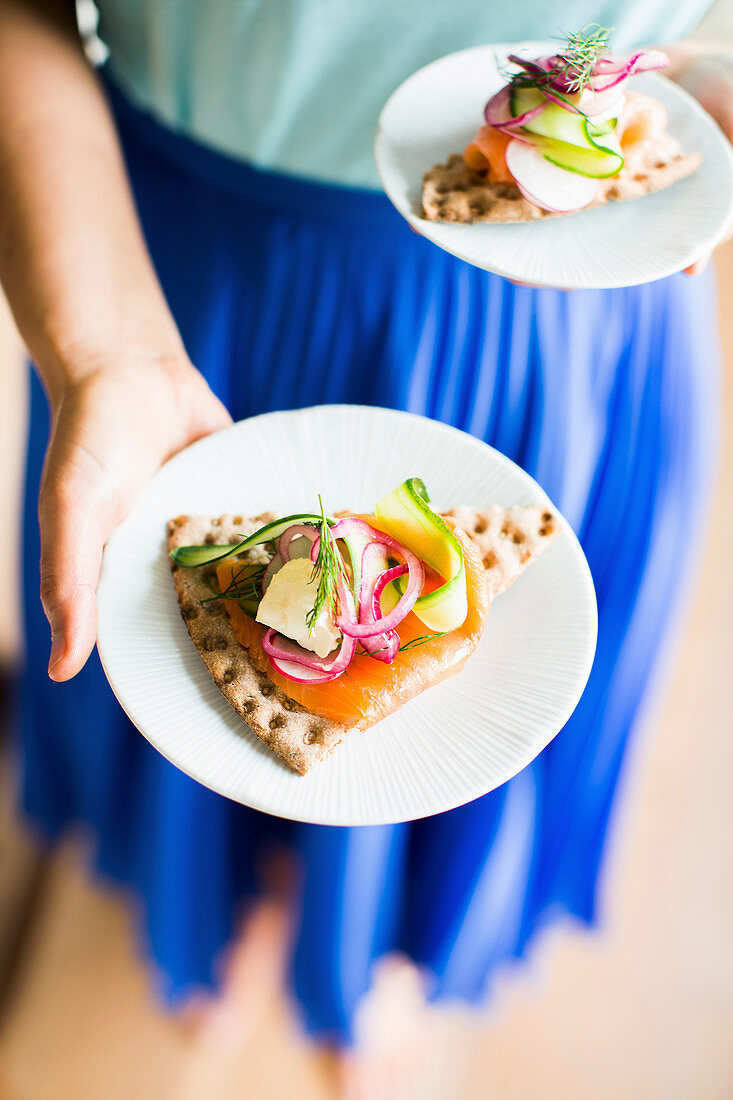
(301, 674)
(546, 185)
(311, 667)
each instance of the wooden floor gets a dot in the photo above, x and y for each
(641, 1010)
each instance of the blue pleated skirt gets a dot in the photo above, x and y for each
(287, 294)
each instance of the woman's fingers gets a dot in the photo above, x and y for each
(698, 266)
(211, 416)
(112, 431)
(71, 514)
(69, 573)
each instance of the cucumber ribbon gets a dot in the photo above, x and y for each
(405, 513)
(191, 556)
(566, 137)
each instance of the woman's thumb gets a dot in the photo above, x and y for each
(71, 555)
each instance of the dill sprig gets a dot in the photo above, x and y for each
(413, 643)
(575, 62)
(246, 584)
(583, 48)
(328, 568)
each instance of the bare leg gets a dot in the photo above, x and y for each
(254, 978)
(406, 1048)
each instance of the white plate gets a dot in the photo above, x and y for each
(455, 742)
(437, 111)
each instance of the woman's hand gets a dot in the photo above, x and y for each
(706, 71)
(112, 429)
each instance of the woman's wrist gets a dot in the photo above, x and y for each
(66, 360)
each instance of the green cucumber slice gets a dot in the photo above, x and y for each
(598, 129)
(603, 159)
(522, 100)
(193, 556)
(405, 513)
(564, 126)
(554, 121)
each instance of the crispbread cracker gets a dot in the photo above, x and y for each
(453, 192)
(507, 539)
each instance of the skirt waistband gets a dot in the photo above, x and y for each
(291, 194)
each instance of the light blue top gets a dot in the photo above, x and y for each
(297, 85)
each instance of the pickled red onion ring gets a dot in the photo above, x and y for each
(608, 73)
(365, 623)
(384, 646)
(415, 580)
(298, 530)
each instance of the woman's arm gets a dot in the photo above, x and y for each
(86, 299)
(72, 258)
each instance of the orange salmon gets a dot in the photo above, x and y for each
(369, 690)
(486, 151)
(642, 117)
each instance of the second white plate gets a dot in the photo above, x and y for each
(437, 111)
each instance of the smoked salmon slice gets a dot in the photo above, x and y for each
(370, 690)
(641, 118)
(487, 151)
